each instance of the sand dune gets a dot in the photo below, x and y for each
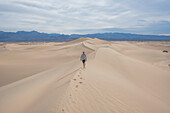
(120, 77)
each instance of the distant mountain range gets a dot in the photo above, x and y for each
(34, 36)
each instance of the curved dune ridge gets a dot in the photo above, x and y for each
(120, 77)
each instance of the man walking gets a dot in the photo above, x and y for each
(83, 58)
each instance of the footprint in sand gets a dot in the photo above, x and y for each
(76, 86)
(81, 78)
(80, 82)
(62, 110)
(74, 79)
(70, 97)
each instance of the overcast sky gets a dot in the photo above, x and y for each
(86, 16)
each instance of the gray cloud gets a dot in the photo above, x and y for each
(85, 16)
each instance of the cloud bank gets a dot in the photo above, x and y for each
(86, 16)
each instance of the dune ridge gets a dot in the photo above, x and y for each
(120, 77)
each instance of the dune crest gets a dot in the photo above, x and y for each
(120, 77)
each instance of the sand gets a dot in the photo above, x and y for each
(120, 77)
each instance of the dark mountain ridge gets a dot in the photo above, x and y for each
(34, 36)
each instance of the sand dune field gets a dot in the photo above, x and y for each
(120, 77)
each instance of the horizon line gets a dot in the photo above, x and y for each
(85, 33)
